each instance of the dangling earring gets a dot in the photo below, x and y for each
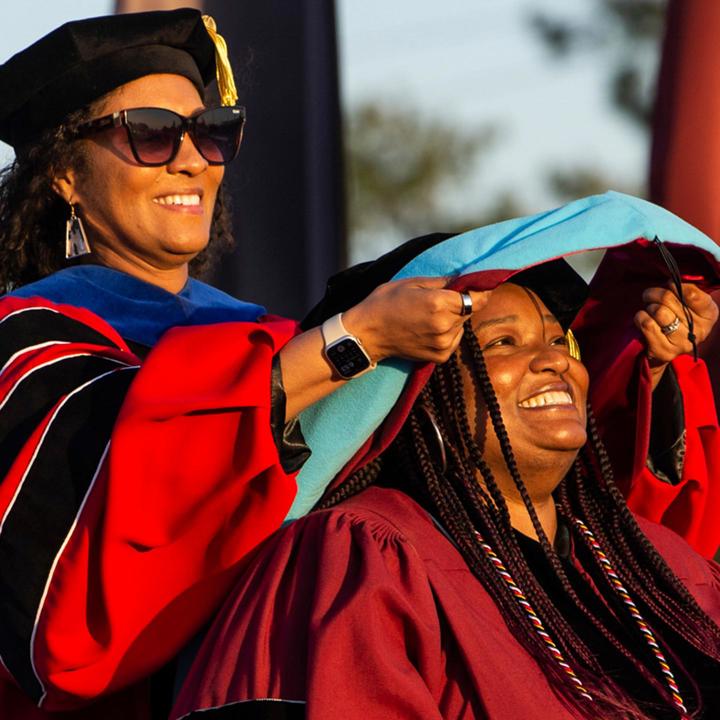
(572, 344)
(436, 435)
(76, 242)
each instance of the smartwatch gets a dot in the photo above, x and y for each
(344, 351)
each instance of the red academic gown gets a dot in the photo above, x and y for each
(621, 396)
(130, 493)
(367, 611)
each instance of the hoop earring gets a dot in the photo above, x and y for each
(76, 242)
(424, 411)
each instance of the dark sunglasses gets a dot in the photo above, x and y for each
(155, 134)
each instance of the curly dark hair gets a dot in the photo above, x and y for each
(33, 215)
(475, 514)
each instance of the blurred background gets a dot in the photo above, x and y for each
(372, 122)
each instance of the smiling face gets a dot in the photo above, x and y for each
(541, 390)
(148, 221)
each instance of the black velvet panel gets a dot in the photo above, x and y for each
(562, 290)
(289, 438)
(36, 394)
(52, 494)
(35, 325)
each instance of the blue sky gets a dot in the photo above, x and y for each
(471, 62)
(474, 62)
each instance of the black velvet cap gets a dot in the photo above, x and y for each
(562, 290)
(83, 60)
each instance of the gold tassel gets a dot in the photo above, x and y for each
(572, 343)
(225, 79)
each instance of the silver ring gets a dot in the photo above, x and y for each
(467, 305)
(671, 328)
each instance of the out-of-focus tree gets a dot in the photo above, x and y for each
(404, 169)
(626, 33)
(626, 36)
(569, 184)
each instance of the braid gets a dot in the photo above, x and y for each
(466, 507)
(645, 568)
(578, 647)
(363, 478)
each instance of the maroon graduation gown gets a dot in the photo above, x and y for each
(368, 611)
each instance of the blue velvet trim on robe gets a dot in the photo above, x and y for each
(139, 311)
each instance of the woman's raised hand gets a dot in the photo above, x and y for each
(416, 318)
(664, 325)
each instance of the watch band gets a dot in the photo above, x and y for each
(333, 330)
(344, 351)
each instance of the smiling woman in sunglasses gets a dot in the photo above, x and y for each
(148, 422)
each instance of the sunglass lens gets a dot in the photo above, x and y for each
(217, 134)
(154, 134)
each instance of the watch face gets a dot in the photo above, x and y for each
(347, 358)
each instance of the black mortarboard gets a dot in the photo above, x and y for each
(83, 60)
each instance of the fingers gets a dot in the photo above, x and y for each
(442, 347)
(664, 317)
(448, 299)
(445, 328)
(699, 302)
(664, 306)
(662, 348)
(415, 318)
(454, 345)
(452, 301)
(479, 298)
(665, 302)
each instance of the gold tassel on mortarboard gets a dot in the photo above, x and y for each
(225, 79)
(572, 343)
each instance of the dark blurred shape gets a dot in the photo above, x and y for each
(628, 93)
(626, 32)
(568, 184)
(559, 36)
(287, 183)
(642, 19)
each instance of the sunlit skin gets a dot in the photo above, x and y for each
(132, 229)
(124, 206)
(528, 364)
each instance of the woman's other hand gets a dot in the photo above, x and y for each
(663, 323)
(416, 318)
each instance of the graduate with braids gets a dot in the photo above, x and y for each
(475, 557)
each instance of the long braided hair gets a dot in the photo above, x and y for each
(472, 513)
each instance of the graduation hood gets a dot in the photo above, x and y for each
(348, 428)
